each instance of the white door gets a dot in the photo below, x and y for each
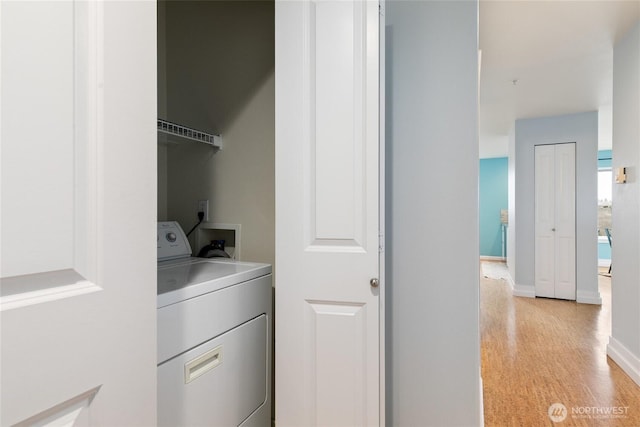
(555, 247)
(545, 196)
(328, 320)
(78, 198)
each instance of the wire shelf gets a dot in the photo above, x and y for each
(182, 132)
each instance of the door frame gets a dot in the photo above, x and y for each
(382, 208)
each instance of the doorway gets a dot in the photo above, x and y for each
(216, 73)
(605, 205)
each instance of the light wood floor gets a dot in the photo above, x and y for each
(537, 352)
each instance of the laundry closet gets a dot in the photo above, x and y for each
(216, 75)
(216, 147)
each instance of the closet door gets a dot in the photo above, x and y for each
(565, 224)
(545, 199)
(555, 221)
(328, 321)
(78, 196)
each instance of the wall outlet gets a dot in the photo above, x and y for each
(203, 206)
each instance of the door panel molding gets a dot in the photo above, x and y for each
(74, 412)
(32, 278)
(335, 112)
(335, 362)
(89, 135)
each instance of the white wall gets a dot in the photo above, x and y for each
(581, 128)
(605, 124)
(433, 348)
(219, 78)
(238, 180)
(511, 194)
(624, 344)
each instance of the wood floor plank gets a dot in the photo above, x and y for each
(537, 352)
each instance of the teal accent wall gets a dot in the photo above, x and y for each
(604, 159)
(604, 250)
(493, 198)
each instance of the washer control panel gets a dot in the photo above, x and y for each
(172, 242)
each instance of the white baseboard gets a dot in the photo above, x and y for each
(524, 291)
(588, 297)
(583, 297)
(604, 262)
(629, 362)
(510, 281)
(493, 258)
(481, 402)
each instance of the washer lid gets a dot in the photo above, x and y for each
(178, 281)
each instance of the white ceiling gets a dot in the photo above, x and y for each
(560, 53)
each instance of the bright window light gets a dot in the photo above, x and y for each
(605, 179)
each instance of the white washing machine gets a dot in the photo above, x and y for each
(214, 337)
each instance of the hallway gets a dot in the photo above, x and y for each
(537, 352)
